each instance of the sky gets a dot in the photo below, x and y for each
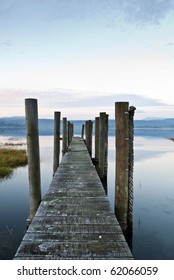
(81, 56)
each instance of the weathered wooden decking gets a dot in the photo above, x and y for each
(74, 219)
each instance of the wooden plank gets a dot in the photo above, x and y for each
(74, 219)
(75, 250)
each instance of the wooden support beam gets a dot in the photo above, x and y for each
(32, 134)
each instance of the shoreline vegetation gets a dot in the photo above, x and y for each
(11, 157)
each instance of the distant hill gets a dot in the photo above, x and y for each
(155, 123)
(13, 121)
(145, 127)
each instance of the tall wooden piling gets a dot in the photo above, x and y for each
(64, 137)
(70, 132)
(130, 176)
(122, 162)
(83, 129)
(89, 125)
(97, 140)
(106, 145)
(102, 139)
(69, 137)
(56, 141)
(32, 135)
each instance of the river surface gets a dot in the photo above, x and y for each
(153, 207)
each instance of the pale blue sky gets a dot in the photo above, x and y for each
(81, 56)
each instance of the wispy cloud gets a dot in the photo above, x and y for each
(146, 11)
(171, 44)
(110, 11)
(71, 99)
(79, 105)
(6, 7)
(7, 43)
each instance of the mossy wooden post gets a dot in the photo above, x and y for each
(83, 129)
(102, 135)
(70, 132)
(89, 136)
(32, 135)
(65, 137)
(122, 162)
(69, 136)
(106, 146)
(56, 141)
(96, 140)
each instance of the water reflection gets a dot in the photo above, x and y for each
(153, 213)
(14, 200)
(153, 209)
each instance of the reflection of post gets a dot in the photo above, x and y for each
(122, 157)
(32, 134)
(56, 141)
(64, 138)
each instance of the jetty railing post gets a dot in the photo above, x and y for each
(102, 128)
(32, 134)
(56, 141)
(64, 137)
(130, 175)
(89, 125)
(97, 141)
(106, 146)
(122, 162)
(70, 132)
(83, 129)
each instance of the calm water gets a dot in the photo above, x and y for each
(153, 213)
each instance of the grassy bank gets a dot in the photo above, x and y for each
(10, 159)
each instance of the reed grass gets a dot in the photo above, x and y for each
(10, 159)
(14, 144)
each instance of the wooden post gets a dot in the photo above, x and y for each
(102, 135)
(32, 135)
(122, 164)
(83, 128)
(89, 136)
(56, 141)
(130, 177)
(106, 146)
(69, 136)
(70, 132)
(64, 138)
(97, 140)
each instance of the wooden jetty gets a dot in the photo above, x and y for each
(74, 219)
